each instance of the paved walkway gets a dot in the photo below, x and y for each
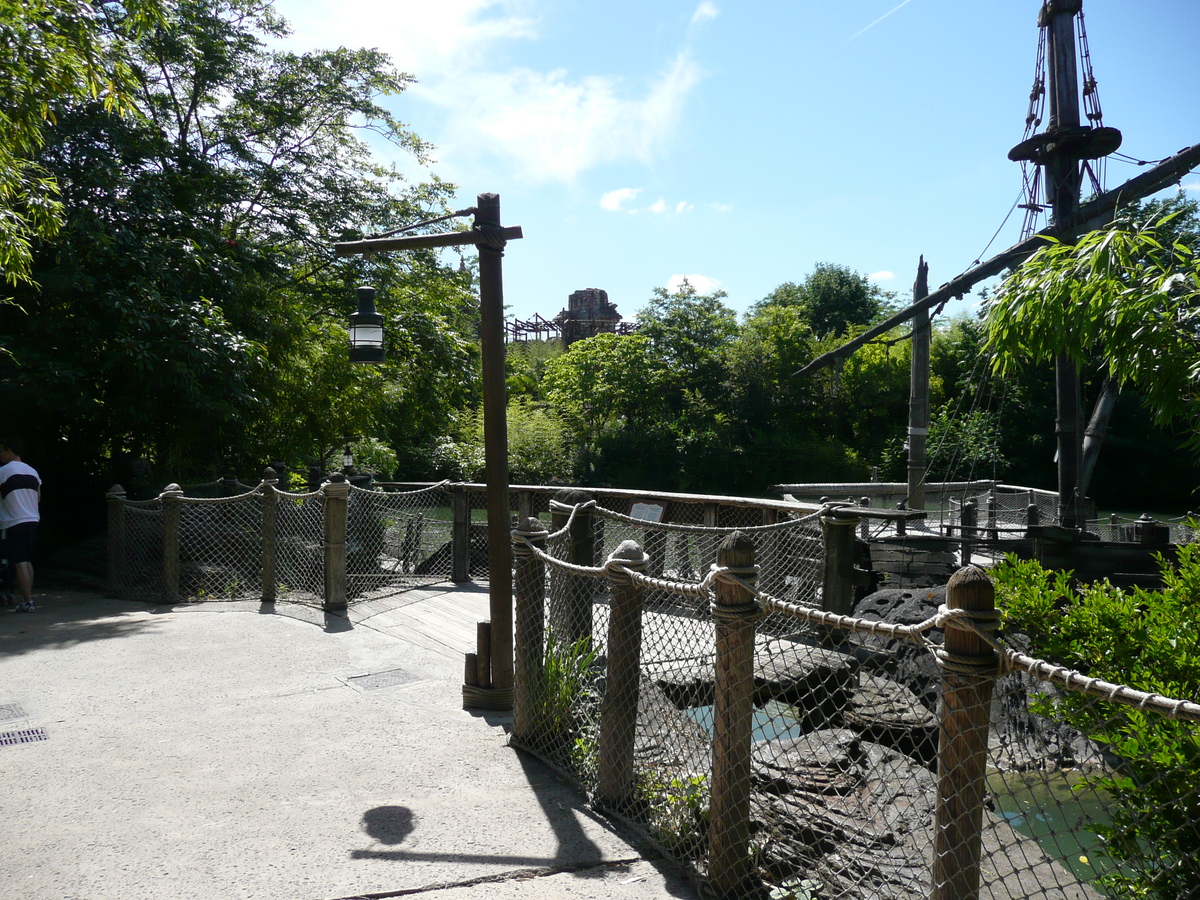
(255, 751)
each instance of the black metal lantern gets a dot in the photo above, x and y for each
(366, 329)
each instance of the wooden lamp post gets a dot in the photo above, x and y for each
(490, 237)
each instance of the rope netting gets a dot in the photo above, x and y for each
(394, 541)
(220, 547)
(1080, 789)
(397, 539)
(300, 565)
(137, 572)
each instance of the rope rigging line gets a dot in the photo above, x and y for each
(1007, 216)
(457, 214)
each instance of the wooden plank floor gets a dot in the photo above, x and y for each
(441, 618)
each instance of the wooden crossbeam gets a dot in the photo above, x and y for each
(422, 241)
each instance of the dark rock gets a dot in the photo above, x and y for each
(900, 659)
(890, 714)
(816, 681)
(685, 682)
(668, 737)
(855, 819)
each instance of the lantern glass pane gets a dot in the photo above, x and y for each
(370, 335)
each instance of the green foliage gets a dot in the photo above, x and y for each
(526, 363)
(566, 678)
(832, 299)
(538, 451)
(677, 810)
(1149, 640)
(191, 310)
(53, 52)
(1129, 292)
(374, 456)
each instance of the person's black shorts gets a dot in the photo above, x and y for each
(18, 542)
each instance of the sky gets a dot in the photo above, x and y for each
(739, 144)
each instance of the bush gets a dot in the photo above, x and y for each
(1148, 640)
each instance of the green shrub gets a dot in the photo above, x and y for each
(1150, 641)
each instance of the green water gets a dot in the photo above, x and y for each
(1055, 809)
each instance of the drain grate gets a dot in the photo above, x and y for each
(11, 711)
(383, 679)
(27, 736)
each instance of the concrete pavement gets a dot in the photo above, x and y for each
(253, 751)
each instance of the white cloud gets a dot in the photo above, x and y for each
(705, 12)
(1194, 186)
(614, 200)
(551, 127)
(681, 207)
(542, 125)
(722, 207)
(883, 275)
(702, 283)
(658, 207)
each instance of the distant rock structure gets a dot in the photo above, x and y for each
(588, 313)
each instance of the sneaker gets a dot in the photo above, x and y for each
(27, 606)
(8, 600)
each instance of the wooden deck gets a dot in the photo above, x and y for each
(441, 618)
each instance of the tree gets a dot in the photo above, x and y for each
(51, 52)
(690, 333)
(1124, 299)
(832, 298)
(191, 310)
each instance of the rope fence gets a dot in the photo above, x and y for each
(329, 547)
(778, 746)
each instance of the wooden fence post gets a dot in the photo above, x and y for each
(335, 493)
(460, 534)
(172, 501)
(968, 519)
(618, 711)
(837, 583)
(270, 533)
(733, 710)
(115, 537)
(529, 637)
(969, 668)
(571, 600)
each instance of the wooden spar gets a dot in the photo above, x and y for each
(421, 241)
(918, 401)
(1063, 178)
(1089, 216)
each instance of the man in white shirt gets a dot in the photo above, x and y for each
(20, 496)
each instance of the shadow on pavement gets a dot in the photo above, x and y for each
(67, 618)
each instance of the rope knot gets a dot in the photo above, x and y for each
(491, 237)
(749, 610)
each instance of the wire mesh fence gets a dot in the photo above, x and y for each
(397, 539)
(275, 545)
(135, 550)
(220, 548)
(299, 541)
(772, 748)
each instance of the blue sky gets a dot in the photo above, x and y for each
(741, 144)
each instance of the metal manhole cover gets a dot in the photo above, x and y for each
(10, 711)
(382, 679)
(22, 737)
